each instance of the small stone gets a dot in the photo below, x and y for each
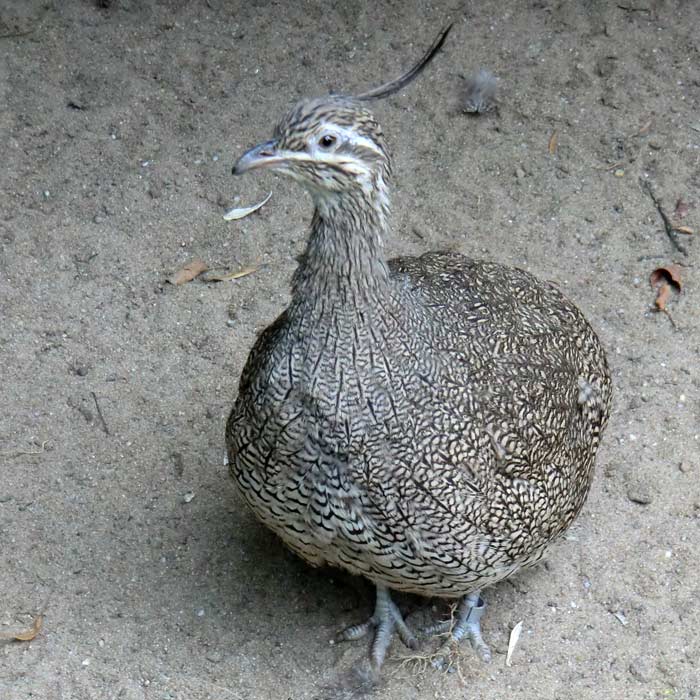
(605, 66)
(638, 493)
(5, 497)
(215, 656)
(685, 467)
(519, 173)
(619, 172)
(187, 498)
(642, 670)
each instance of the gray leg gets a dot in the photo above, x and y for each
(386, 620)
(471, 608)
(467, 624)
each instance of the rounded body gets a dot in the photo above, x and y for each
(435, 442)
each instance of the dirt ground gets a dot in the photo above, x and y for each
(120, 122)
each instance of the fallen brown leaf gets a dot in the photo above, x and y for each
(188, 272)
(552, 145)
(683, 229)
(232, 275)
(665, 280)
(27, 635)
(663, 293)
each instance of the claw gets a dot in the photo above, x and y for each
(386, 620)
(468, 624)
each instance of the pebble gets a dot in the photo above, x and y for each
(519, 173)
(639, 494)
(685, 467)
(619, 172)
(188, 497)
(215, 656)
(6, 498)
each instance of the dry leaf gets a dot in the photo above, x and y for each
(663, 293)
(514, 636)
(668, 273)
(27, 635)
(242, 212)
(552, 146)
(188, 272)
(683, 229)
(232, 275)
(664, 280)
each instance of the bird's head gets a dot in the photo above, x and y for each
(332, 145)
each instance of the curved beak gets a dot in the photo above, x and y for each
(263, 155)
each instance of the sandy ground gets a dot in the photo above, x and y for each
(118, 521)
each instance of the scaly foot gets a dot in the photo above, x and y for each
(387, 618)
(467, 624)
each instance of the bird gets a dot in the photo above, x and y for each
(428, 423)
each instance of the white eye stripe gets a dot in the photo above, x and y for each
(349, 136)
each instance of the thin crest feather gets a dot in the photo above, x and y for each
(395, 85)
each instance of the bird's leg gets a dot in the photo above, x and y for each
(386, 619)
(467, 624)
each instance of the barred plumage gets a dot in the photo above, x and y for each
(429, 423)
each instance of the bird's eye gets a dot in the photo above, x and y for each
(326, 141)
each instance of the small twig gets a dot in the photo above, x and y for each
(99, 413)
(631, 8)
(668, 226)
(17, 453)
(670, 318)
(17, 35)
(608, 168)
(641, 258)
